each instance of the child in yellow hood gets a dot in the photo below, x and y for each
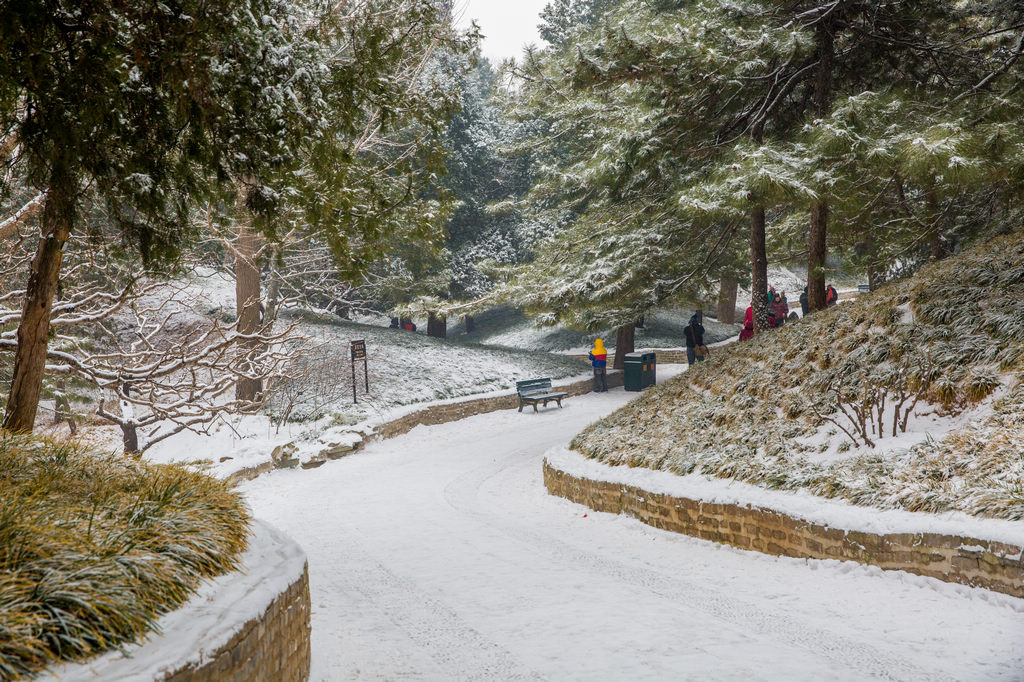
(599, 361)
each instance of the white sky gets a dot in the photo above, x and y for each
(507, 25)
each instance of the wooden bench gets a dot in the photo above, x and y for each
(535, 391)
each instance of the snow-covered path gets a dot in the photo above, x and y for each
(439, 556)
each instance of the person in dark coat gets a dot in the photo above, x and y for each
(779, 310)
(694, 334)
(805, 307)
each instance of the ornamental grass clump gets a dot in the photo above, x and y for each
(94, 548)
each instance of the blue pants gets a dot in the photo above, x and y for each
(600, 379)
(691, 356)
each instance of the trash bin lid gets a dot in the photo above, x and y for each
(636, 357)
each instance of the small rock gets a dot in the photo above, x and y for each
(284, 457)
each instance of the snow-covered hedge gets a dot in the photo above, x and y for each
(94, 548)
(907, 398)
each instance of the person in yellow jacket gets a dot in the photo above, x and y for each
(599, 361)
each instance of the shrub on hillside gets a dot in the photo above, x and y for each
(761, 411)
(94, 548)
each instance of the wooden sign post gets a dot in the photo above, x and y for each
(359, 353)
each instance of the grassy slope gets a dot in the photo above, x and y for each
(407, 368)
(740, 415)
(94, 548)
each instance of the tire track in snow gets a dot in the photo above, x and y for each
(463, 494)
(460, 650)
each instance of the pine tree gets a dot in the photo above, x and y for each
(677, 124)
(150, 104)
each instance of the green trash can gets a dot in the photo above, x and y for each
(650, 369)
(633, 370)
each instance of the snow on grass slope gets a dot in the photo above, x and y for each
(407, 368)
(663, 329)
(315, 411)
(760, 411)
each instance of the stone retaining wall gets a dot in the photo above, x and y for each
(969, 561)
(428, 416)
(272, 648)
(450, 412)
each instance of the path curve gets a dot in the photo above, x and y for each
(438, 555)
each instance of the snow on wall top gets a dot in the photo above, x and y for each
(799, 504)
(208, 621)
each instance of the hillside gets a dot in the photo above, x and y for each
(906, 398)
(404, 368)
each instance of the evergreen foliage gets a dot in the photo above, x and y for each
(671, 125)
(562, 20)
(149, 103)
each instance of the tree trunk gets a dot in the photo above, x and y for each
(130, 438)
(817, 240)
(129, 431)
(936, 241)
(758, 269)
(728, 287)
(247, 307)
(470, 324)
(34, 329)
(816, 261)
(62, 409)
(437, 326)
(624, 343)
(874, 279)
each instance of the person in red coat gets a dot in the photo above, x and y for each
(748, 325)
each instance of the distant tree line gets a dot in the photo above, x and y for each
(674, 147)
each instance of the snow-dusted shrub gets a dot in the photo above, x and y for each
(94, 548)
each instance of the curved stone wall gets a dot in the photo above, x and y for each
(969, 561)
(248, 626)
(454, 411)
(427, 416)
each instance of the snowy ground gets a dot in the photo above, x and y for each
(439, 556)
(663, 329)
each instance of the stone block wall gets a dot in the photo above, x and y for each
(272, 648)
(428, 416)
(442, 414)
(969, 561)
